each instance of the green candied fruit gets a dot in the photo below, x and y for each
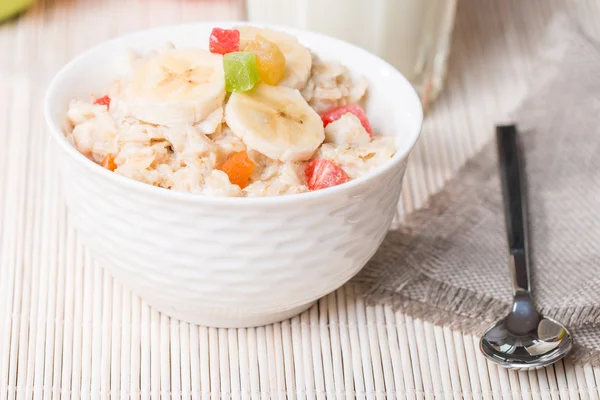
(241, 71)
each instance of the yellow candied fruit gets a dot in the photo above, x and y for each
(269, 59)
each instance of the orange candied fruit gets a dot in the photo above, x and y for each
(108, 162)
(238, 168)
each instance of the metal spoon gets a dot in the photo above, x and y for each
(524, 339)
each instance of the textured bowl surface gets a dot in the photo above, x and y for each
(231, 262)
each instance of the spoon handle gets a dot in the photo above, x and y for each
(514, 199)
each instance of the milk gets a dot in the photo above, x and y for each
(412, 35)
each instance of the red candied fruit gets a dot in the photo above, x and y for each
(336, 113)
(103, 101)
(321, 174)
(223, 41)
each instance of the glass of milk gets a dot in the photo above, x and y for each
(412, 35)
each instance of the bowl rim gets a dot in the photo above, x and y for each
(169, 194)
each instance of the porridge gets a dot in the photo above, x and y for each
(257, 115)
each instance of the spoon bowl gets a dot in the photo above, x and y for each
(547, 343)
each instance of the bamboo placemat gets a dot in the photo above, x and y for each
(67, 330)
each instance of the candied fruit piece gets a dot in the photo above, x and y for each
(104, 101)
(322, 173)
(336, 113)
(241, 71)
(238, 168)
(269, 59)
(223, 41)
(108, 162)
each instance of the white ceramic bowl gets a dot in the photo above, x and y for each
(231, 262)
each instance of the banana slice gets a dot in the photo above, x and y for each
(176, 87)
(275, 121)
(298, 60)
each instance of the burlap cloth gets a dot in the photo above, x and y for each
(448, 263)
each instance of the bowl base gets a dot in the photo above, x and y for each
(222, 319)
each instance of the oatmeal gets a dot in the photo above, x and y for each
(258, 115)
